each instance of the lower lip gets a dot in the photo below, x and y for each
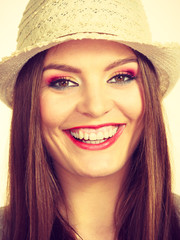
(99, 146)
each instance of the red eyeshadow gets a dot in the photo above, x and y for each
(52, 78)
(131, 71)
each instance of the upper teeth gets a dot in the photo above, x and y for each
(94, 134)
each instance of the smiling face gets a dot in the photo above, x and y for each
(91, 106)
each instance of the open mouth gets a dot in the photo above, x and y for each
(94, 136)
(97, 137)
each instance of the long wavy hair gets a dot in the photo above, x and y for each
(147, 211)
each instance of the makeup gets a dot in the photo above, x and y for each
(60, 82)
(97, 137)
(124, 74)
(127, 71)
(52, 78)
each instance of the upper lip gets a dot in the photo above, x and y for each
(97, 126)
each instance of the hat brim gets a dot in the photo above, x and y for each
(165, 58)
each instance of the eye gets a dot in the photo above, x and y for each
(122, 78)
(62, 83)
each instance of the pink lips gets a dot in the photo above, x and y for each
(99, 146)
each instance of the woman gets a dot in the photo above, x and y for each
(88, 153)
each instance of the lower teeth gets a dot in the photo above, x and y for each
(92, 141)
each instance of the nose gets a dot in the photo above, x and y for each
(95, 102)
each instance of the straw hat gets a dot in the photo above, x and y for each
(46, 23)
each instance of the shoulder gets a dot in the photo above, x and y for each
(177, 205)
(1, 221)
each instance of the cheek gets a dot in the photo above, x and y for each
(131, 103)
(134, 105)
(54, 109)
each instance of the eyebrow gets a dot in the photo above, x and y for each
(120, 62)
(62, 67)
(67, 68)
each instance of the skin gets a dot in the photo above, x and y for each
(91, 179)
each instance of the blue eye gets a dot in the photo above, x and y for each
(122, 78)
(62, 84)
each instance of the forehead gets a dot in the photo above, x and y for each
(89, 48)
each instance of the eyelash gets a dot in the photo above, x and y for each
(118, 78)
(54, 83)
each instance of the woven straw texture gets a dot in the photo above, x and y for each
(46, 23)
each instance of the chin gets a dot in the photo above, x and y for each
(100, 167)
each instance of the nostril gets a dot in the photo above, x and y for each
(95, 106)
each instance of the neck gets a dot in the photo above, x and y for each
(91, 204)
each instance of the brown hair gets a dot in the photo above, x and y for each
(147, 211)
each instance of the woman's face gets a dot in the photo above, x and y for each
(91, 106)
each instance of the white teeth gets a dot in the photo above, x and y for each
(100, 135)
(92, 136)
(86, 136)
(94, 142)
(110, 133)
(73, 134)
(97, 136)
(113, 131)
(80, 135)
(106, 134)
